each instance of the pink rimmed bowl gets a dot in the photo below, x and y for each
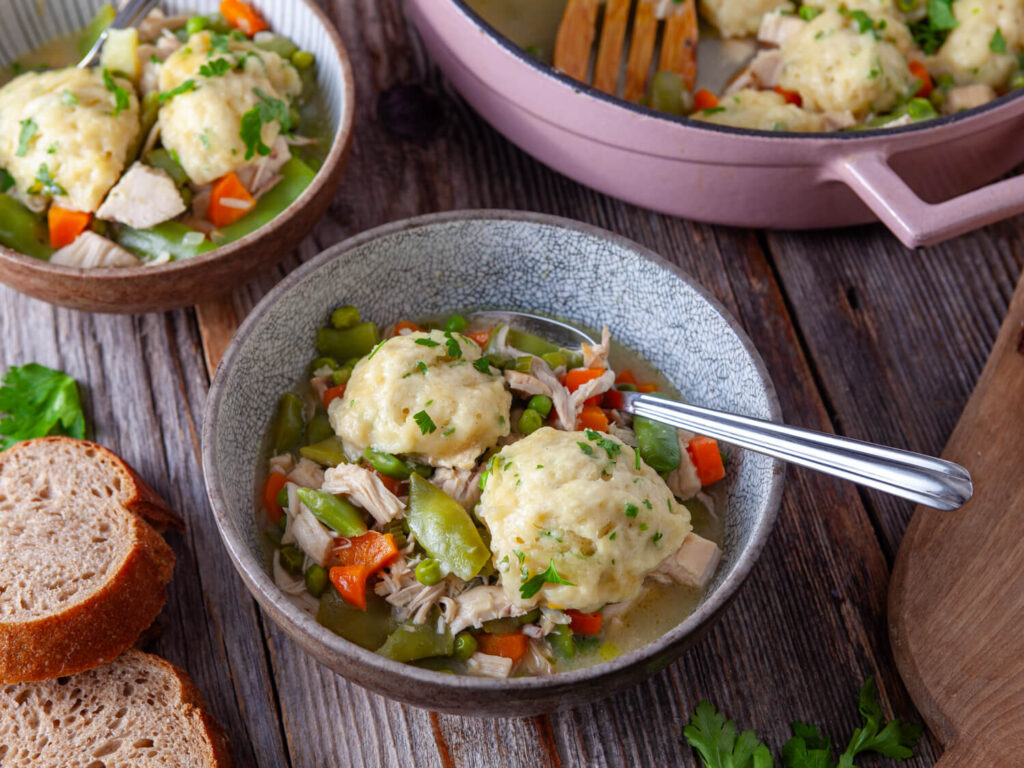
(923, 181)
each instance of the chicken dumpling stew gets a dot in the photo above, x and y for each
(192, 132)
(470, 498)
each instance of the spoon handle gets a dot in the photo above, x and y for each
(933, 482)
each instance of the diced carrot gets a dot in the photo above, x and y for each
(372, 549)
(333, 393)
(243, 16)
(66, 226)
(612, 399)
(705, 99)
(511, 646)
(585, 623)
(405, 325)
(917, 69)
(577, 377)
(271, 488)
(350, 581)
(707, 459)
(229, 201)
(626, 377)
(592, 417)
(791, 97)
(391, 483)
(480, 337)
(647, 387)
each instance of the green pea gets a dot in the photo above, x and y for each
(196, 24)
(541, 404)
(316, 580)
(554, 359)
(529, 422)
(291, 558)
(303, 59)
(341, 375)
(428, 572)
(523, 364)
(344, 317)
(465, 645)
(386, 464)
(456, 324)
(324, 362)
(1017, 80)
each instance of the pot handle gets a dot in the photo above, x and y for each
(914, 221)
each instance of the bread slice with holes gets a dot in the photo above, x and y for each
(137, 711)
(83, 570)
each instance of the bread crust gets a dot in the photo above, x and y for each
(100, 627)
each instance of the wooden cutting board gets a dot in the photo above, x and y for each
(956, 598)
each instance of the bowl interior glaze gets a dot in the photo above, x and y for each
(476, 260)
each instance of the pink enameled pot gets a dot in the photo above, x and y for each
(923, 181)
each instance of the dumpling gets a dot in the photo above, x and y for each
(739, 18)
(969, 53)
(421, 394)
(763, 110)
(583, 503)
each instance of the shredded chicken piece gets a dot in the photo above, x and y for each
(90, 250)
(760, 74)
(837, 121)
(142, 198)
(624, 434)
(310, 535)
(364, 488)
(692, 565)
(268, 185)
(776, 28)
(256, 176)
(399, 587)
(479, 604)
(551, 618)
(541, 380)
(307, 473)
(281, 464)
(463, 485)
(597, 386)
(499, 343)
(320, 384)
(486, 665)
(535, 662)
(683, 481)
(597, 357)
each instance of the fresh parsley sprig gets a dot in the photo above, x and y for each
(533, 585)
(267, 110)
(122, 101)
(38, 401)
(718, 744)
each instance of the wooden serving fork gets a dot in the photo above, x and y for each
(579, 28)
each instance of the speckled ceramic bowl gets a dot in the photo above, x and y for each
(28, 23)
(488, 259)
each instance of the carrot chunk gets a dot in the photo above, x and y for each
(271, 488)
(405, 325)
(612, 399)
(350, 581)
(372, 549)
(791, 97)
(511, 646)
(577, 377)
(333, 393)
(647, 387)
(626, 377)
(917, 69)
(65, 226)
(592, 417)
(243, 16)
(707, 459)
(229, 201)
(585, 623)
(705, 99)
(480, 337)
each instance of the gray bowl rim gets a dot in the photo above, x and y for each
(293, 620)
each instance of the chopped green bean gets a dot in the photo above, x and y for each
(171, 237)
(23, 230)
(428, 572)
(541, 404)
(319, 428)
(555, 359)
(323, 362)
(345, 317)
(164, 160)
(303, 59)
(327, 453)
(316, 580)
(333, 512)
(456, 324)
(417, 641)
(397, 528)
(386, 464)
(465, 645)
(445, 530)
(529, 422)
(291, 558)
(341, 376)
(561, 642)
(528, 343)
(196, 24)
(523, 364)
(368, 629)
(288, 424)
(356, 341)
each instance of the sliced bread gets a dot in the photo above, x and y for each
(82, 572)
(137, 711)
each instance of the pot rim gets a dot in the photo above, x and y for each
(313, 634)
(335, 158)
(579, 86)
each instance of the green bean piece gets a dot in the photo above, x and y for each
(445, 530)
(465, 645)
(921, 109)
(529, 617)
(278, 44)
(167, 237)
(428, 572)
(351, 342)
(657, 444)
(423, 470)
(528, 343)
(327, 453)
(316, 580)
(323, 362)
(368, 629)
(505, 626)
(626, 387)
(341, 376)
(282, 496)
(295, 177)
(22, 230)
(555, 359)
(344, 317)
(196, 24)
(319, 428)
(88, 36)
(291, 558)
(417, 641)
(523, 364)
(445, 665)
(282, 523)
(670, 94)
(541, 404)
(386, 464)
(529, 422)
(561, 642)
(398, 530)
(333, 512)
(288, 425)
(303, 59)
(456, 324)
(498, 361)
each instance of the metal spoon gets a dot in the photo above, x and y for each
(133, 12)
(926, 480)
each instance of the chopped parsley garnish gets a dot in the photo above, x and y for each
(266, 111)
(636, 457)
(930, 33)
(647, 503)
(6, 180)
(864, 22)
(421, 367)
(188, 85)
(612, 535)
(643, 526)
(533, 585)
(37, 401)
(449, 431)
(45, 183)
(28, 130)
(215, 68)
(482, 365)
(998, 43)
(712, 110)
(68, 99)
(451, 344)
(424, 422)
(656, 537)
(808, 13)
(586, 448)
(374, 350)
(519, 553)
(592, 434)
(121, 99)
(219, 43)
(428, 343)
(632, 510)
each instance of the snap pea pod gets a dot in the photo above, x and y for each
(561, 642)
(411, 642)
(333, 512)
(164, 160)
(530, 344)
(278, 44)
(657, 444)
(88, 36)
(386, 464)
(445, 530)
(22, 230)
(368, 629)
(319, 428)
(288, 424)
(357, 341)
(326, 453)
(168, 237)
(510, 624)
(295, 177)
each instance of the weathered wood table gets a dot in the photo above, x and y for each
(860, 335)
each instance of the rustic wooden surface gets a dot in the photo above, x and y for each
(861, 337)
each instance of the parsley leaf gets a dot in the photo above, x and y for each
(533, 585)
(716, 741)
(586, 448)
(421, 367)
(219, 43)
(45, 183)
(68, 99)
(215, 68)
(428, 343)
(38, 401)
(28, 130)
(864, 22)
(940, 15)
(374, 350)
(807, 748)
(452, 345)
(482, 365)
(632, 510)
(424, 422)
(998, 43)
(6, 180)
(185, 87)
(121, 98)
(930, 33)
(267, 110)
